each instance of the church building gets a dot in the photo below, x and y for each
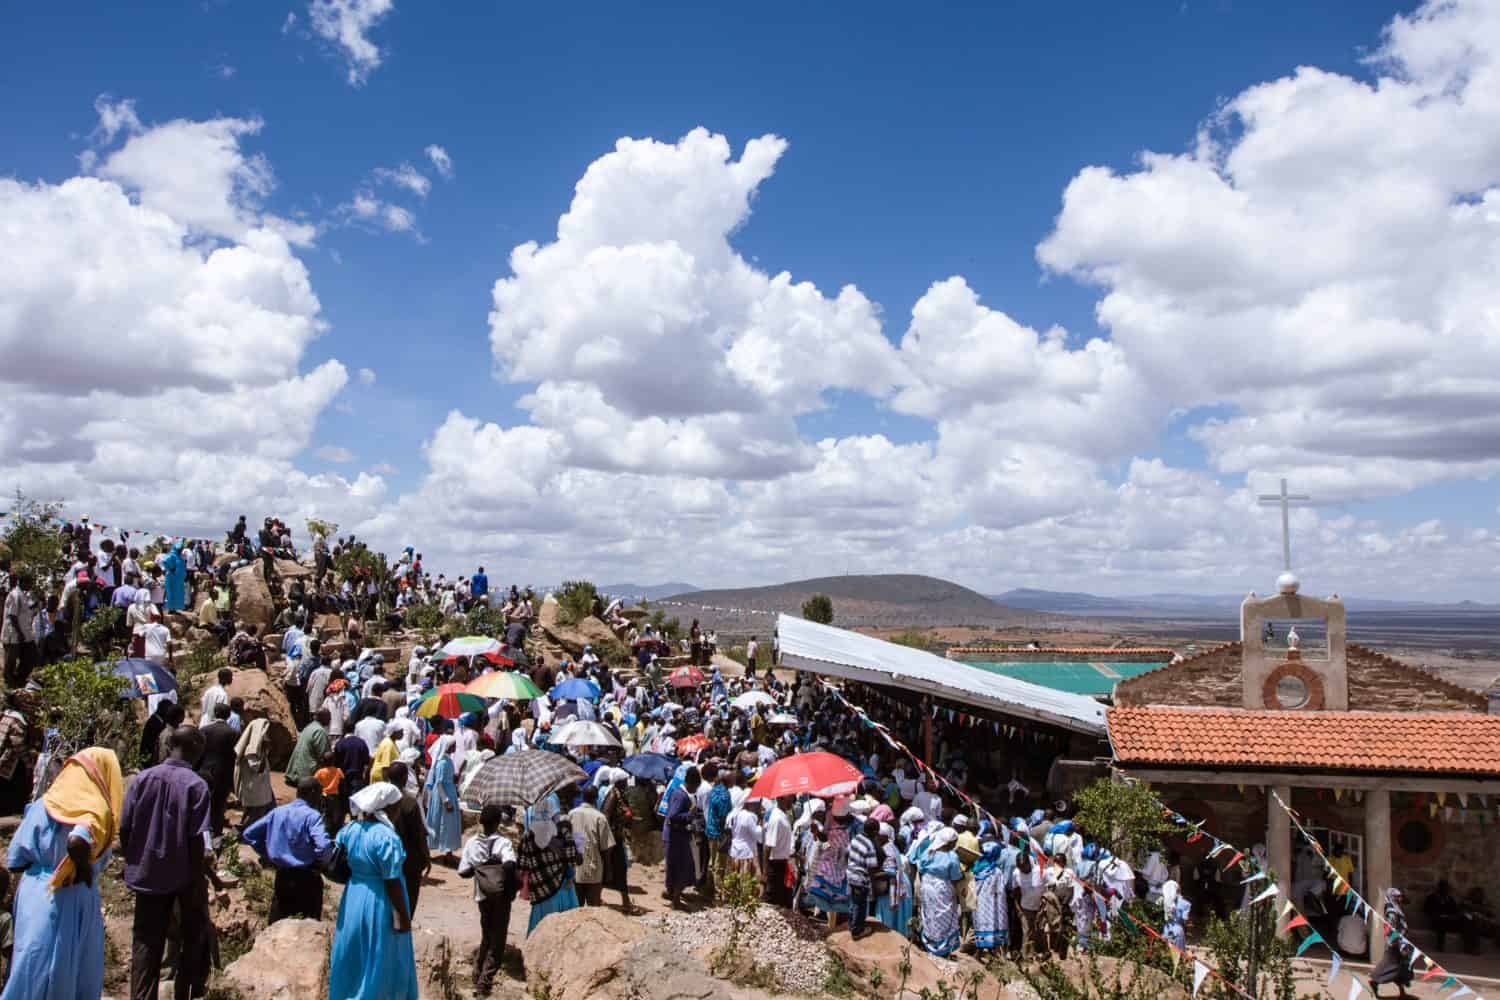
(1384, 762)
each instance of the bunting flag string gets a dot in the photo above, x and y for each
(1031, 845)
(1341, 887)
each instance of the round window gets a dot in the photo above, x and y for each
(1291, 692)
(1414, 837)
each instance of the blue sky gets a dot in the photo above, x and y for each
(922, 145)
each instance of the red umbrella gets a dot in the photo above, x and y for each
(685, 677)
(691, 744)
(495, 658)
(819, 773)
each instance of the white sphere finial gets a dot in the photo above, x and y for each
(1287, 583)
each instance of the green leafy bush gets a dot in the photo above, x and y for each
(486, 621)
(30, 540)
(98, 633)
(425, 617)
(82, 700)
(575, 601)
(818, 608)
(1123, 816)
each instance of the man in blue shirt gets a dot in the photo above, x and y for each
(292, 838)
(479, 584)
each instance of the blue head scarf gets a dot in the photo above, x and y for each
(989, 860)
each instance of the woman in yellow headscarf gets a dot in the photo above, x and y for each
(63, 842)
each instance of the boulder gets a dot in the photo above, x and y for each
(265, 699)
(289, 962)
(289, 570)
(590, 631)
(252, 598)
(593, 953)
(327, 624)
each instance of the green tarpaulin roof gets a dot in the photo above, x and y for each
(1094, 679)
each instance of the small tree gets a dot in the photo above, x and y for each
(575, 601)
(83, 703)
(915, 638)
(818, 608)
(1123, 816)
(31, 541)
(321, 529)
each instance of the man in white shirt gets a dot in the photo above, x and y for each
(777, 835)
(216, 695)
(371, 729)
(929, 801)
(490, 847)
(744, 838)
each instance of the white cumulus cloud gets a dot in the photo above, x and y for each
(346, 25)
(441, 161)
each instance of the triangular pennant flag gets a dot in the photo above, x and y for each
(1265, 895)
(1333, 966)
(1237, 855)
(1355, 986)
(1461, 991)
(1286, 910)
(1253, 878)
(1307, 942)
(1433, 969)
(1448, 984)
(1200, 973)
(1298, 921)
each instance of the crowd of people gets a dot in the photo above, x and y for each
(379, 788)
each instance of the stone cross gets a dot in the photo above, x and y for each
(1285, 500)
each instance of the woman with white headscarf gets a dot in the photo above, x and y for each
(547, 856)
(941, 875)
(372, 947)
(1175, 910)
(444, 820)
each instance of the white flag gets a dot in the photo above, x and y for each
(1200, 973)
(1355, 986)
(1265, 895)
(1333, 968)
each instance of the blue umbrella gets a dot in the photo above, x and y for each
(576, 687)
(146, 677)
(650, 766)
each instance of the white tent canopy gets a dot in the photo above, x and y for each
(836, 652)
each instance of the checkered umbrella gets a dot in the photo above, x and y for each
(522, 778)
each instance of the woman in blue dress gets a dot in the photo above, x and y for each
(372, 948)
(941, 875)
(1175, 911)
(61, 845)
(444, 820)
(893, 907)
(174, 571)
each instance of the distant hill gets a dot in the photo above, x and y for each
(888, 599)
(648, 591)
(1216, 605)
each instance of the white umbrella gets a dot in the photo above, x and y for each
(582, 733)
(750, 699)
(471, 645)
(783, 719)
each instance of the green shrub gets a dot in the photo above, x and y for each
(915, 638)
(486, 621)
(818, 608)
(1123, 816)
(83, 702)
(425, 617)
(98, 633)
(575, 601)
(30, 540)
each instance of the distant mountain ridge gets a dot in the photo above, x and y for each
(648, 591)
(1149, 605)
(858, 601)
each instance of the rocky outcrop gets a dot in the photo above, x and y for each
(252, 597)
(572, 638)
(289, 962)
(593, 953)
(265, 699)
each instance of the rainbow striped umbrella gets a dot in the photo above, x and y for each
(450, 701)
(504, 684)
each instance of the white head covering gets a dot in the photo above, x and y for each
(541, 821)
(944, 839)
(443, 747)
(912, 815)
(372, 801)
(814, 809)
(1169, 893)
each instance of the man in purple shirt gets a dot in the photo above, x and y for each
(164, 838)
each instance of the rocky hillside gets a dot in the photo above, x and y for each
(882, 600)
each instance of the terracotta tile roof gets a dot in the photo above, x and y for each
(1417, 742)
